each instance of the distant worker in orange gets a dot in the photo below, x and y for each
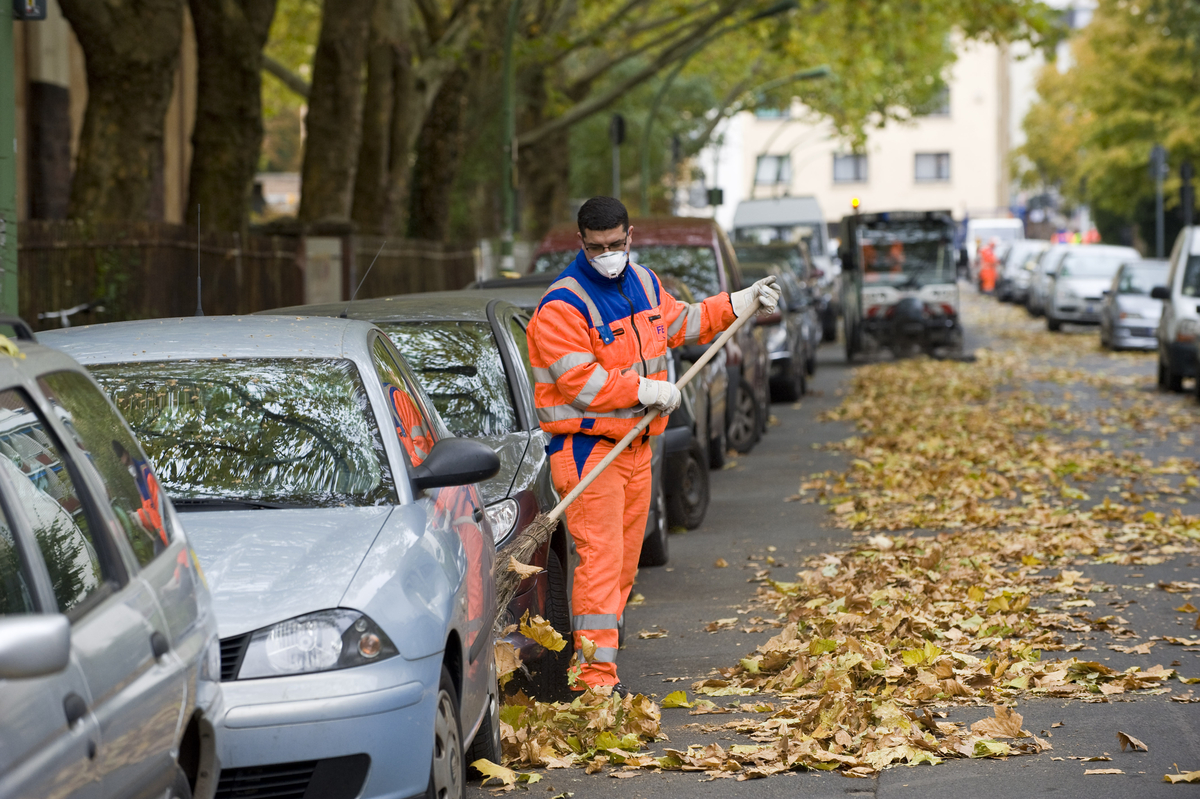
(598, 347)
(987, 268)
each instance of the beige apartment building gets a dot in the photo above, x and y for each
(954, 158)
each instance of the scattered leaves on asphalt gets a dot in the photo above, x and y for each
(1133, 743)
(974, 488)
(1191, 776)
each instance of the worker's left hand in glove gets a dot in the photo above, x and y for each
(767, 292)
(660, 394)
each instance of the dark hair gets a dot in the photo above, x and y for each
(602, 213)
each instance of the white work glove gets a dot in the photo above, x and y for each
(660, 394)
(765, 290)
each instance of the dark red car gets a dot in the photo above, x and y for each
(694, 259)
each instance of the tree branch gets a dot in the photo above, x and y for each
(284, 75)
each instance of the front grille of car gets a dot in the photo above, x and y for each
(232, 651)
(331, 778)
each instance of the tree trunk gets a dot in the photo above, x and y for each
(334, 119)
(132, 51)
(438, 155)
(544, 167)
(230, 35)
(369, 207)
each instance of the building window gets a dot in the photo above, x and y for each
(850, 168)
(939, 106)
(773, 170)
(764, 112)
(933, 167)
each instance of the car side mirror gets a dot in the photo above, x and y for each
(34, 646)
(1105, 293)
(456, 462)
(1160, 293)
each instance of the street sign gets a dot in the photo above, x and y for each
(1159, 168)
(716, 196)
(616, 130)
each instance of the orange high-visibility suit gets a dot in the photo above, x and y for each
(987, 269)
(589, 341)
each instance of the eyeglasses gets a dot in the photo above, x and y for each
(595, 248)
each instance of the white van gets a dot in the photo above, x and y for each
(981, 231)
(1179, 325)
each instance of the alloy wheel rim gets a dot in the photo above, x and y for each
(743, 421)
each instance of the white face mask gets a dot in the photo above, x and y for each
(610, 264)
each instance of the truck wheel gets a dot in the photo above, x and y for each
(687, 491)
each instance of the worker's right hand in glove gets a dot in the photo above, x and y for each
(660, 394)
(767, 292)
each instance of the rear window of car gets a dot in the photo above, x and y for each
(1080, 264)
(694, 267)
(1141, 279)
(460, 367)
(297, 432)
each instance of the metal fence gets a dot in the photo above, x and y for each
(148, 270)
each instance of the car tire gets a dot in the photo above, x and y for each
(1052, 324)
(180, 787)
(745, 425)
(447, 768)
(791, 385)
(688, 490)
(655, 550)
(550, 679)
(829, 326)
(719, 446)
(486, 743)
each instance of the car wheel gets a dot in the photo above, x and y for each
(1052, 324)
(1174, 380)
(829, 326)
(447, 771)
(654, 547)
(550, 683)
(791, 385)
(486, 743)
(719, 446)
(687, 494)
(745, 425)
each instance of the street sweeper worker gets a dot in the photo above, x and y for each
(598, 347)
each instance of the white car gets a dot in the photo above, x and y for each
(1179, 325)
(1076, 289)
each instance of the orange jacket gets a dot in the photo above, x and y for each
(592, 337)
(409, 427)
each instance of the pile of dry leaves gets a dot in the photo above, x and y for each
(995, 467)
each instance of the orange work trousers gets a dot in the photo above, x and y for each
(608, 523)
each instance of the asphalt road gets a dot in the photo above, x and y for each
(750, 520)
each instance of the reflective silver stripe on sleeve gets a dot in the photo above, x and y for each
(591, 389)
(569, 362)
(594, 621)
(562, 413)
(653, 367)
(647, 282)
(677, 325)
(605, 654)
(572, 285)
(691, 333)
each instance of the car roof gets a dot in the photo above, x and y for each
(650, 231)
(1103, 249)
(213, 337)
(36, 359)
(430, 306)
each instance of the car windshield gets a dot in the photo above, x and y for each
(1140, 279)
(1086, 264)
(986, 234)
(297, 432)
(695, 267)
(460, 367)
(906, 254)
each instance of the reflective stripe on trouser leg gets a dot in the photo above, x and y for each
(602, 522)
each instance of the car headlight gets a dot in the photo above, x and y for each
(1131, 315)
(322, 641)
(1187, 330)
(777, 338)
(1068, 294)
(503, 517)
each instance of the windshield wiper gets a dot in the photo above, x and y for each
(184, 504)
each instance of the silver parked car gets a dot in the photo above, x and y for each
(1130, 315)
(348, 551)
(108, 642)
(1041, 274)
(1077, 286)
(1016, 269)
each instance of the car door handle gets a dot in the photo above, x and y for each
(159, 644)
(75, 708)
(478, 515)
